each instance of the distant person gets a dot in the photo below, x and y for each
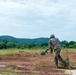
(54, 44)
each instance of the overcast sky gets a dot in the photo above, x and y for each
(38, 18)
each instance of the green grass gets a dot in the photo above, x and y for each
(8, 52)
(11, 71)
(70, 50)
(14, 51)
(7, 71)
(43, 53)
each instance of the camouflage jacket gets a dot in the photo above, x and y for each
(54, 43)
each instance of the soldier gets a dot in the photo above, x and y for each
(54, 44)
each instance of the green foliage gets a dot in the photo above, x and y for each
(20, 46)
(71, 44)
(74, 45)
(43, 53)
(64, 44)
(39, 43)
(2, 45)
(72, 64)
(10, 45)
(30, 46)
(36, 41)
(5, 43)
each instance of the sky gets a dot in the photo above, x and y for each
(38, 18)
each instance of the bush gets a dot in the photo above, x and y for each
(43, 53)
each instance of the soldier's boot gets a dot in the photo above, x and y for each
(64, 62)
(66, 65)
(57, 66)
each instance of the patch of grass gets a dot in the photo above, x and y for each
(72, 50)
(8, 51)
(14, 51)
(72, 64)
(6, 69)
(43, 53)
(12, 74)
(9, 71)
(69, 49)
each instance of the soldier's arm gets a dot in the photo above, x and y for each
(47, 49)
(51, 46)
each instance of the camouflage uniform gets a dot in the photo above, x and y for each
(54, 43)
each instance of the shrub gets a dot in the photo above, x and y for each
(43, 53)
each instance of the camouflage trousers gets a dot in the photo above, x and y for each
(58, 57)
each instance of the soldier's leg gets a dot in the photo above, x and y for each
(56, 61)
(57, 52)
(61, 60)
(56, 58)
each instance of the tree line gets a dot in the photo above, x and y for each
(6, 45)
(70, 44)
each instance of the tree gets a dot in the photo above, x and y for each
(64, 44)
(44, 44)
(20, 46)
(5, 42)
(10, 45)
(72, 42)
(2, 45)
(74, 45)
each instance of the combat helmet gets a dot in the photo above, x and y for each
(52, 36)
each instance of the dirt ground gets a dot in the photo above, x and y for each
(28, 63)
